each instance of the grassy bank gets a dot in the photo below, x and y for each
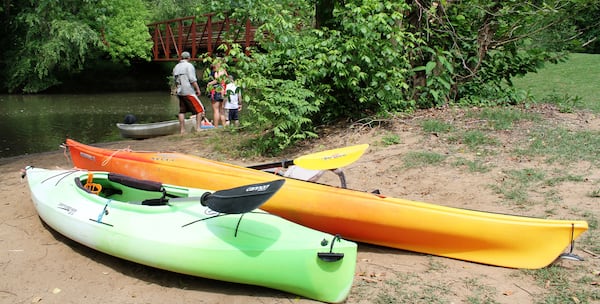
(571, 85)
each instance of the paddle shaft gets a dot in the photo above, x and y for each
(283, 164)
(324, 160)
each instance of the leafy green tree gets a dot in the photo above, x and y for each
(161, 10)
(53, 38)
(580, 19)
(473, 48)
(320, 61)
(354, 58)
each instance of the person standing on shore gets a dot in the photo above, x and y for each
(188, 91)
(217, 88)
(234, 103)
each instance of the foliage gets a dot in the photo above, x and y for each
(363, 81)
(320, 61)
(171, 9)
(580, 17)
(486, 43)
(279, 107)
(381, 57)
(305, 76)
(125, 32)
(52, 38)
(278, 93)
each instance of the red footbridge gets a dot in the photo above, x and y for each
(198, 35)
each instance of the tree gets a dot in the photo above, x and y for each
(355, 58)
(171, 9)
(50, 38)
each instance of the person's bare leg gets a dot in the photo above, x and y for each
(199, 118)
(222, 112)
(181, 118)
(216, 114)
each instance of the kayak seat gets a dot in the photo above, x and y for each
(141, 184)
(104, 191)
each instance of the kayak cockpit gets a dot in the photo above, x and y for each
(139, 192)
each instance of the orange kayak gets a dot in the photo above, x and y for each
(483, 237)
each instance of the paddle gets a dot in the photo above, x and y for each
(241, 199)
(324, 160)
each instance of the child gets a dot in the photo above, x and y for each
(234, 102)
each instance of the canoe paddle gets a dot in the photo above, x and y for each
(241, 199)
(324, 160)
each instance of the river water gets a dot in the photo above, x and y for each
(39, 123)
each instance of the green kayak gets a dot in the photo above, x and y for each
(217, 235)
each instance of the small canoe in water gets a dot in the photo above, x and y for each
(168, 227)
(470, 235)
(161, 128)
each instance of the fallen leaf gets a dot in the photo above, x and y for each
(369, 280)
(508, 292)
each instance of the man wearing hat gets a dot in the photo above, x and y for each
(188, 91)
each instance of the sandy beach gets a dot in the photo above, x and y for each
(41, 266)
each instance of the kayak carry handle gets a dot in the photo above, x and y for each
(331, 256)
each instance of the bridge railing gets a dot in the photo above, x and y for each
(197, 35)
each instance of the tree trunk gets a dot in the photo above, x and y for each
(324, 14)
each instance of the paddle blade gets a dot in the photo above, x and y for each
(331, 159)
(241, 199)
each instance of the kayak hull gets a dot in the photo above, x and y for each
(161, 128)
(254, 248)
(482, 237)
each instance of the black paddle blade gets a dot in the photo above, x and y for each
(241, 199)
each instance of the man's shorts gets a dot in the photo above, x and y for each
(233, 114)
(190, 103)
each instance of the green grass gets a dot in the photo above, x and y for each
(422, 159)
(562, 289)
(472, 165)
(436, 126)
(516, 185)
(474, 140)
(559, 144)
(502, 118)
(569, 84)
(390, 139)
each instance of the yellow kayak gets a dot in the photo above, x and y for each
(483, 237)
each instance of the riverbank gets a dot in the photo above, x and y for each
(40, 266)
